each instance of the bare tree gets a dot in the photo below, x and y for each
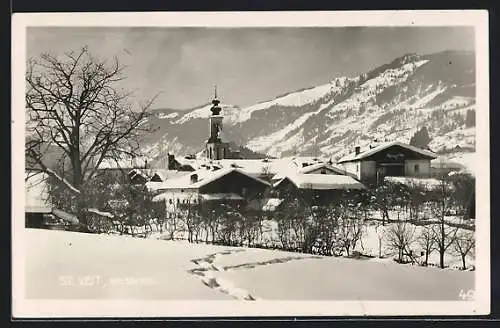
(426, 241)
(400, 237)
(266, 173)
(381, 199)
(464, 245)
(443, 234)
(190, 211)
(415, 198)
(380, 230)
(74, 104)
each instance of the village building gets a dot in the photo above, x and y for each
(125, 170)
(395, 158)
(206, 186)
(38, 208)
(317, 188)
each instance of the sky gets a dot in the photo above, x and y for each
(248, 65)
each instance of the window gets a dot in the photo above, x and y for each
(357, 168)
(323, 171)
(416, 168)
(178, 201)
(170, 201)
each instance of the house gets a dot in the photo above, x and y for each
(316, 167)
(316, 187)
(267, 169)
(206, 186)
(38, 209)
(388, 159)
(125, 170)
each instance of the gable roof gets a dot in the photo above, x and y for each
(204, 177)
(353, 157)
(323, 181)
(165, 174)
(316, 166)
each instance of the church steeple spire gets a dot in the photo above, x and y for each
(215, 102)
(216, 147)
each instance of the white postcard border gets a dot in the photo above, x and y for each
(117, 308)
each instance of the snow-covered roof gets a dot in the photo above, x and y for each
(38, 209)
(139, 173)
(468, 160)
(36, 190)
(65, 216)
(204, 176)
(427, 183)
(257, 167)
(164, 174)
(323, 181)
(316, 166)
(374, 150)
(294, 169)
(221, 196)
(101, 213)
(442, 162)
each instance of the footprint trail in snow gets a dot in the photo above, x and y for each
(207, 268)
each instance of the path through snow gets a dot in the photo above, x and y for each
(207, 269)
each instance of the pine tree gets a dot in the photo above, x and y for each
(421, 138)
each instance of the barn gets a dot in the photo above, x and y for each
(395, 158)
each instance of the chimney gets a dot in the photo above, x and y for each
(357, 150)
(194, 178)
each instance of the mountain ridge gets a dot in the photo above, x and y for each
(390, 101)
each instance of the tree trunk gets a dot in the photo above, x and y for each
(379, 247)
(385, 216)
(441, 258)
(464, 267)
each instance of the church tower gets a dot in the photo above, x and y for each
(216, 147)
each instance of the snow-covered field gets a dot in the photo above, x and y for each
(71, 265)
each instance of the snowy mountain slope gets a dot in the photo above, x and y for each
(390, 102)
